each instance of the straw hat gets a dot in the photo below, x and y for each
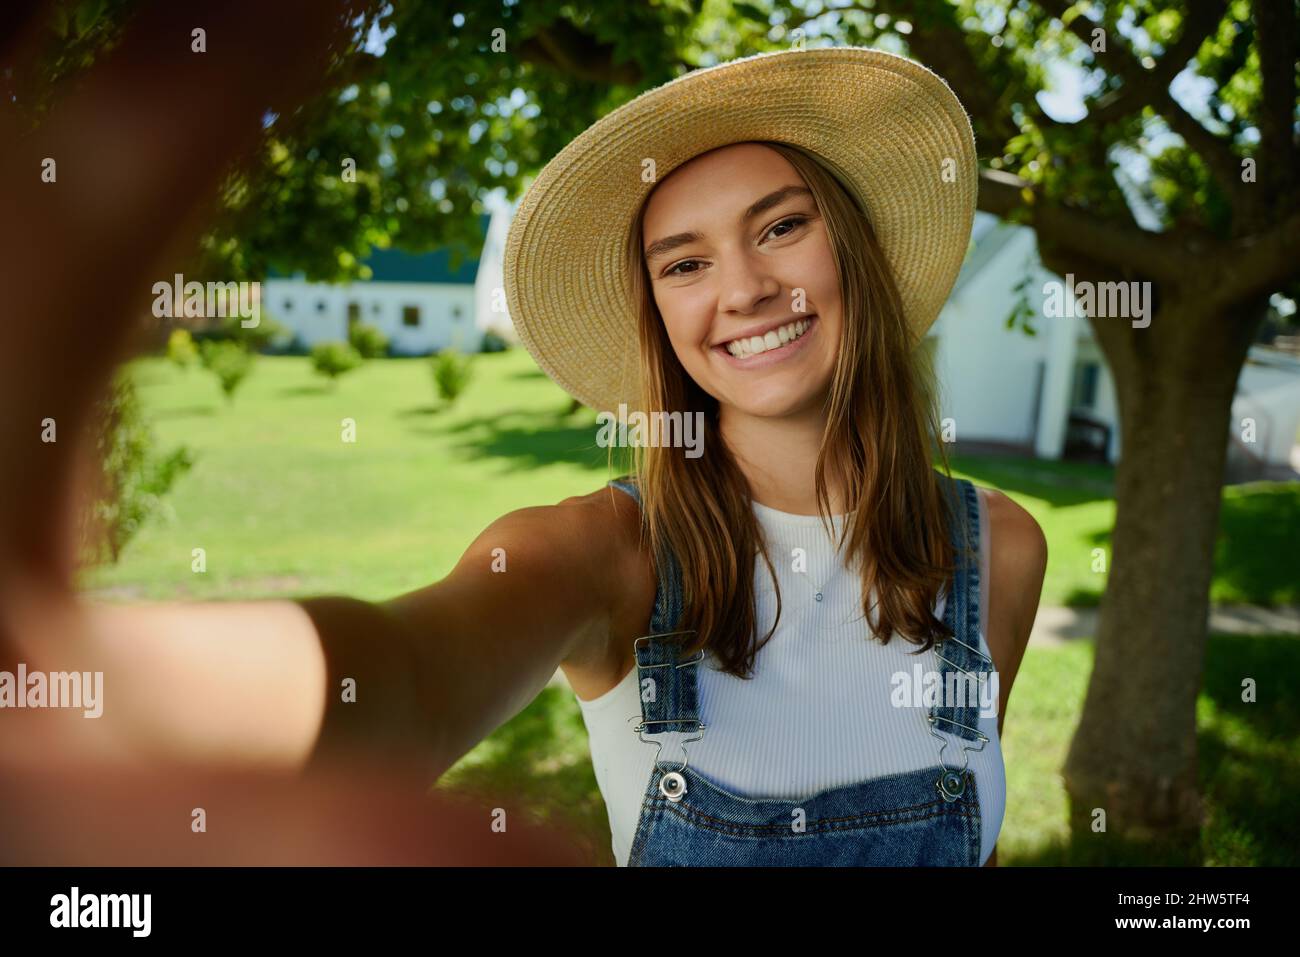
(891, 128)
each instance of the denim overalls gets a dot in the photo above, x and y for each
(929, 817)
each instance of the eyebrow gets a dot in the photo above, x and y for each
(775, 198)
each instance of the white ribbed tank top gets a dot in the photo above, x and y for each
(817, 712)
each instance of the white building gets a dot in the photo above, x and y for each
(420, 302)
(1266, 415)
(1003, 386)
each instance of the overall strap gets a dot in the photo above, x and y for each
(666, 678)
(964, 667)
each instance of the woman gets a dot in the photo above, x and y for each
(804, 217)
(762, 243)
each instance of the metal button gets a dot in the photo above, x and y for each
(819, 596)
(951, 785)
(672, 786)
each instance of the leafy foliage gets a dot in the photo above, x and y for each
(333, 359)
(452, 372)
(368, 340)
(230, 361)
(404, 143)
(133, 478)
(181, 349)
(493, 342)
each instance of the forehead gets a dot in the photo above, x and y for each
(721, 182)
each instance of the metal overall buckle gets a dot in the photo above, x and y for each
(951, 783)
(673, 784)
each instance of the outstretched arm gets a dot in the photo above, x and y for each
(421, 678)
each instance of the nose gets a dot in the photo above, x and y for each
(746, 284)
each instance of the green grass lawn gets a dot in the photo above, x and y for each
(282, 506)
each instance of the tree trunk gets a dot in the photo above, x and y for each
(1134, 754)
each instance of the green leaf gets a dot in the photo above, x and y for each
(751, 12)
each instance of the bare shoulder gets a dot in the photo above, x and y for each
(609, 520)
(1017, 565)
(1016, 537)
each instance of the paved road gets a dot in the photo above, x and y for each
(1055, 625)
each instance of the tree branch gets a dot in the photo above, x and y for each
(563, 47)
(1143, 86)
(1275, 38)
(1158, 256)
(1223, 273)
(1261, 263)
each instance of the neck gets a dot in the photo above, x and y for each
(778, 455)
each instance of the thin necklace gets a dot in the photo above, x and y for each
(819, 595)
(819, 589)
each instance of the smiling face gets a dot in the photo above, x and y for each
(743, 274)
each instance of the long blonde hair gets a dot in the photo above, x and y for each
(882, 419)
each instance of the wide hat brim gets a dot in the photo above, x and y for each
(892, 130)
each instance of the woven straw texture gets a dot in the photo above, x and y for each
(890, 127)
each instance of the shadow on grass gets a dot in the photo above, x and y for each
(1078, 598)
(184, 412)
(538, 765)
(1110, 850)
(529, 438)
(1249, 764)
(1063, 484)
(303, 390)
(1255, 556)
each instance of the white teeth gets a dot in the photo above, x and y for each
(754, 345)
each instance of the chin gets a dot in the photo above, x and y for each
(778, 404)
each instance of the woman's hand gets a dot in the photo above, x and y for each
(141, 143)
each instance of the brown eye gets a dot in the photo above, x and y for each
(676, 268)
(786, 226)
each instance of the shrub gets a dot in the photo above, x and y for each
(368, 340)
(133, 477)
(332, 359)
(493, 342)
(229, 361)
(451, 373)
(267, 336)
(181, 349)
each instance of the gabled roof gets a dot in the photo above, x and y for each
(990, 235)
(395, 265)
(398, 265)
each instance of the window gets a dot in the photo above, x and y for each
(455, 313)
(1090, 374)
(374, 308)
(288, 305)
(1085, 388)
(320, 305)
(411, 316)
(354, 313)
